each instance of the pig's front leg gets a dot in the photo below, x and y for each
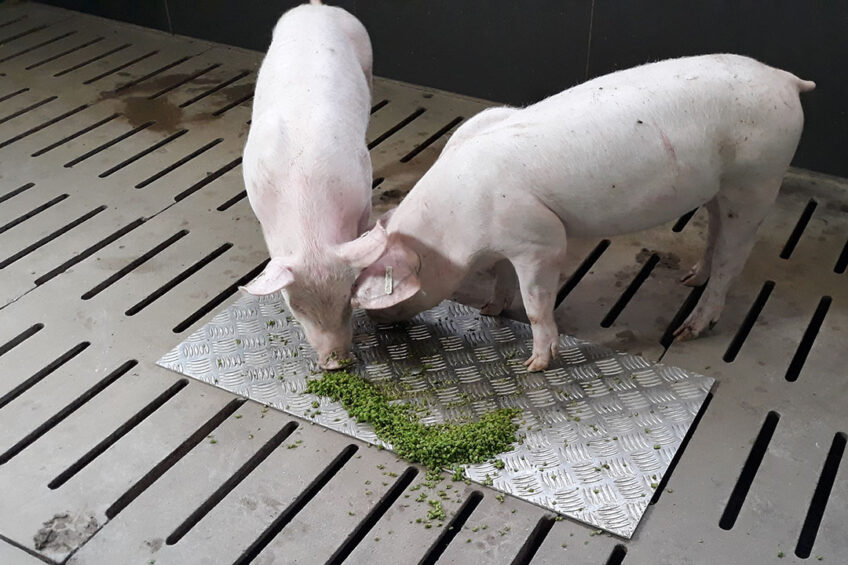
(538, 282)
(503, 291)
(537, 251)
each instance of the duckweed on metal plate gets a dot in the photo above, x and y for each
(435, 446)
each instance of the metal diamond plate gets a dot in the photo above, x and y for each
(598, 429)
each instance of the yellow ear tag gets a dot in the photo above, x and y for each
(388, 280)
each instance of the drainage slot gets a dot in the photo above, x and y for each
(234, 200)
(75, 135)
(619, 552)
(296, 506)
(682, 313)
(377, 182)
(212, 304)
(684, 219)
(378, 105)
(534, 541)
(17, 191)
(36, 46)
(63, 53)
(139, 155)
(172, 458)
(50, 237)
(208, 179)
(14, 21)
(679, 453)
(29, 108)
(820, 496)
(396, 128)
(57, 418)
(807, 340)
(108, 144)
(748, 322)
(42, 373)
(134, 264)
(231, 483)
(20, 338)
(179, 83)
(373, 516)
(33, 212)
(215, 89)
(162, 290)
(749, 471)
(453, 527)
(92, 60)
(121, 67)
(152, 74)
(842, 262)
(13, 94)
(46, 124)
(88, 252)
(581, 271)
(120, 432)
(24, 33)
(796, 234)
(630, 291)
(432, 139)
(179, 163)
(233, 104)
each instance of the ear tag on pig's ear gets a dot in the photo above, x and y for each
(388, 280)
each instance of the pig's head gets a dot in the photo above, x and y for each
(318, 289)
(386, 286)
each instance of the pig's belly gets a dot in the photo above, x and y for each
(634, 194)
(635, 208)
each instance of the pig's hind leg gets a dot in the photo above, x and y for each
(738, 212)
(700, 272)
(538, 257)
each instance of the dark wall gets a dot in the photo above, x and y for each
(519, 52)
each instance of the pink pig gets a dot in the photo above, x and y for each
(621, 153)
(308, 171)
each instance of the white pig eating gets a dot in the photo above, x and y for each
(620, 153)
(308, 172)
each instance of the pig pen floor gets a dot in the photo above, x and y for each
(124, 226)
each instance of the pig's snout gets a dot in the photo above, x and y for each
(335, 360)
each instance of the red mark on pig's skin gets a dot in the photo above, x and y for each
(669, 148)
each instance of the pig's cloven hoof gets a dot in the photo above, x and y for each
(539, 361)
(697, 276)
(698, 322)
(491, 309)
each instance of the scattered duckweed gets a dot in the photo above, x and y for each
(436, 446)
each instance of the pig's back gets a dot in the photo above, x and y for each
(315, 76)
(656, 138)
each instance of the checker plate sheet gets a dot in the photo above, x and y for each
(598, 429)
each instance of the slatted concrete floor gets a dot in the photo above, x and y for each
(123, 227)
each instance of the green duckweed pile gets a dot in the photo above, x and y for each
(436, 446)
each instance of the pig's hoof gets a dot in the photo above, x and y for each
(491, 309)
(536, 363)
(697, 276)
(697, 323)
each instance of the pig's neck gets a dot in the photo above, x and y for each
(306, 226)
(445, 259)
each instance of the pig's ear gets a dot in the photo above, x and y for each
(276, 276)
(365, 249)
(390, 281)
